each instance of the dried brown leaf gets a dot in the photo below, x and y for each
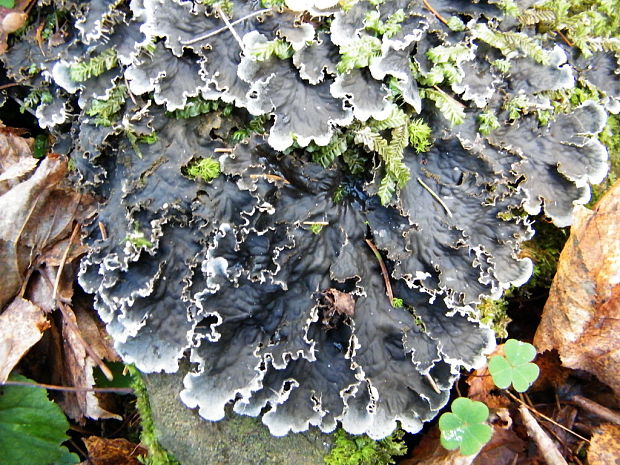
(103, 451)
(605, 446)
(18, 224)
(78, 364)
(580, 318)
(16, 158)
(503, 448)
(37, 214)
(21, 326)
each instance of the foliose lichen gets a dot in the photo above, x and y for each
(379, 152)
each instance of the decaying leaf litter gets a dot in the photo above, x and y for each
(27, 250)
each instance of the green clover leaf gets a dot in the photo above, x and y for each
(516, 367)
(465, 426)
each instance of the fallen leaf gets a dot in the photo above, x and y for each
(79, 365)
(17, 206)
(21, 326)
(605, 446)
(35, 215)
(16, 158)
(120, 451)
(503, 448)
(580, 318)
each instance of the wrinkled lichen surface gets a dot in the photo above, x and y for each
(320, 182)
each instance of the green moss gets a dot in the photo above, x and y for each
(544, 250)
(361, 450)
(206, 169)
(610, 136)
(157, 454)
(494, 313)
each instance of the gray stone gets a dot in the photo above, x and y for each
(236, 440)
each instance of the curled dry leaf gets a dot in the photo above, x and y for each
(580, 318)
(16, 158)
(119, 451)
(21, 326)
(36, 214)
(605, 445)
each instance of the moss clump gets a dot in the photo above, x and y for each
(611, 138)
(206, 169)
(157, 454)
(361, 450)
(494, 313)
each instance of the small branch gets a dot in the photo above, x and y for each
(104, 232)
(384, 271)
(10, 84)
(597, 409)
(436, 197)
(223, 150)
(565, 39)
(89, 350)
(54, 387)
(542, 415)
(435, 12)
(226, 28)
(272, 177)
(321, 223)
(546, 447)
(230, 27)
(76, 229)
(432, 382)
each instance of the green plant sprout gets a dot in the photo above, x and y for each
(137, 238)
(465, 427)
(397, 303)
(516, 367)
(206, 169)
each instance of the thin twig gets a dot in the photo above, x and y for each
(89, 350)
(322, 223)
(223, 150)
(597, 409)
(74, 234)
(542, 415)
(435, 12)
(10, 84)
(54, 387)
(436, 197)
(104, 232)
(273, 177)
(226, 28)
(384, 271)
(230, 26)
(432, 382)
(547, 448)
(565, 39)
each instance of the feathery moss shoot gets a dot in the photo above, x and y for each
(206, 169)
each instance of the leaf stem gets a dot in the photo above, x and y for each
(435, 12)
(384, 271)
(54, 387)
(227, 27)
(436, 197)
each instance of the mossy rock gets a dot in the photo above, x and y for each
(236, 440)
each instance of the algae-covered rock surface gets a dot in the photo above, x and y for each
(237, 440)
